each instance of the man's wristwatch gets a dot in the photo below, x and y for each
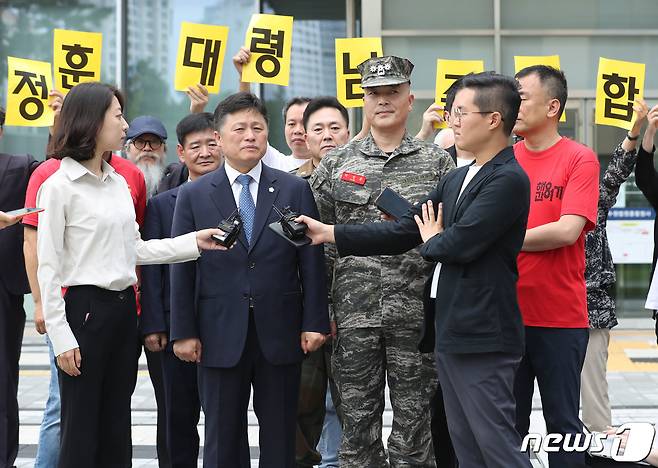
(632, 138)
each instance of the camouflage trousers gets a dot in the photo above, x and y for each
(316, 375)
(363, 360)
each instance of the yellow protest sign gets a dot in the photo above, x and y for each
(618, 84)
(449, 71)
(28, 84)
(524, 61)
(76, 58)
(269, 38)
(201, 50)
(349, 54)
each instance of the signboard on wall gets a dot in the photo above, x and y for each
(630, 235)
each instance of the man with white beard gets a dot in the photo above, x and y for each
(146, 148)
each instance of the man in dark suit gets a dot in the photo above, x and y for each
(14, 175)
(475, 238)
(247, 317)
(198, 150)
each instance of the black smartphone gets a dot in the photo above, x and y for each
(392, 203)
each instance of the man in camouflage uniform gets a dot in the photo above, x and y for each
(377, 301)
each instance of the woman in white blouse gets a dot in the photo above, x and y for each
(89, 244)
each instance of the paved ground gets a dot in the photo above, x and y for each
(632, 376)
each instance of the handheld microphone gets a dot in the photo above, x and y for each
(231, 227)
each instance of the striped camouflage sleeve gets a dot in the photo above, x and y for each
(620, 167)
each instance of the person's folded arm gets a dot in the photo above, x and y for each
(561, 233)
(384, 238)
(497, 206)
(579, 202)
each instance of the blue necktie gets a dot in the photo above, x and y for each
(247, 206)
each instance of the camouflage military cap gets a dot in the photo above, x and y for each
(385, 71)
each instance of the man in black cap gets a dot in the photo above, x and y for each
(377, 301)
(146, 147)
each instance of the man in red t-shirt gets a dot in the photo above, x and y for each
(564, 177)
(48, 452)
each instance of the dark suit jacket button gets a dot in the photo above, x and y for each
(252, 265)
(121, 296)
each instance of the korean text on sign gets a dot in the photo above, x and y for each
(349, 54)
(269, 38)
(524, 61)
(28, 84)
(76, 58)
(449, 71)
(618, 85)
(201, 50)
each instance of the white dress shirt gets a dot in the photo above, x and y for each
(277, 160)
(88, 236)
(437, 269)
(463, 161)
(236, 186)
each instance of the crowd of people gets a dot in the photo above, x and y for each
(499, 275)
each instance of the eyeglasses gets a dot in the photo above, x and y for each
(140, 144)
(457, 113)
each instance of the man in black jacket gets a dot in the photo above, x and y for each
(475, 239)
(199, 151)
(15, 172)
